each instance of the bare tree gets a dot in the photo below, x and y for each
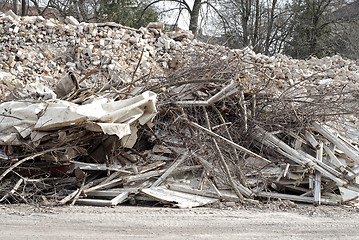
(16, 6)
(23, 7)
(193, 10)
(261, 24)
(312, 28)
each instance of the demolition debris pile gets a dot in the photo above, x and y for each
(103, 114)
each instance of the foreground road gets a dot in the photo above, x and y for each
(127, 222)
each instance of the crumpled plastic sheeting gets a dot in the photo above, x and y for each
(19, 120)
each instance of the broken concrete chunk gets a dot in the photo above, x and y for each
(71, 20)
(66, 85)
(156, 25)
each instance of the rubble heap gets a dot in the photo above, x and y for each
(103, 114)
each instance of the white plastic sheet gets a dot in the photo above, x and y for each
(21, 120)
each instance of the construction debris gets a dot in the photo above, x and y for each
(103, 114)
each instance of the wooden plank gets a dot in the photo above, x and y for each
(179, 199)
(69, 197)
(151, 166)
(111, 193)
(335, 161)
(338, 142)
(120, 198)
(206, 193)
(98, 167)
(225, 92)
(322, 164)
(286, 169)
(318, 177)
(311, 139)
(297, 198)
(302, 159)
(155, 173)
(170, 169)
(109, 184)
(186, 189)
(242, 103)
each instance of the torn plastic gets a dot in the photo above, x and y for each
(19, 120)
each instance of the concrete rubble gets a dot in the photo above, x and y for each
(104, 114)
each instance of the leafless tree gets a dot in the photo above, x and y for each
(262, 24)
(193, 9)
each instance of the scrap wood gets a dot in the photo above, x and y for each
(112, 193)
(151, 166)
(148, 175)
(170, 170)
(120, 198)
(69, 197)
(223, 161)
(179, 199)
(296, 198)
(138, 178)
(318, 177)
(128, 156)
(335, 161)
(211, 169)
(205, 193)
(224, 123)
(244, 107)
(75, 194)
(225, 92)
(109, 184)
(209, 132)
(97, 167)
(13, 190)
(322, 164)
(94, 202)
(79, 192)
(18, 163)
(311, 139)
(299, 158)
(337, 142)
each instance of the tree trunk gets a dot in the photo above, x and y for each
(23, 7)
(270, 27)
(194, 16)
(257, 19)
(246, 12)
(15, 6)
(82, 10)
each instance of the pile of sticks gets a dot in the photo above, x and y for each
(217, 136)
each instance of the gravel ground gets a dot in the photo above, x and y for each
(138, 222)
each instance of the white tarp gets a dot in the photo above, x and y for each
(19, 119)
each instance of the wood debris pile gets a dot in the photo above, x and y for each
(196, 124)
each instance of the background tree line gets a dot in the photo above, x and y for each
(299, 28)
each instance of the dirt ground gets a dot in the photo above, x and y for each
(273, 221)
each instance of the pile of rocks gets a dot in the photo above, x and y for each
(34, 49)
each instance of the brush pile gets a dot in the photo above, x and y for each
(103, 114)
